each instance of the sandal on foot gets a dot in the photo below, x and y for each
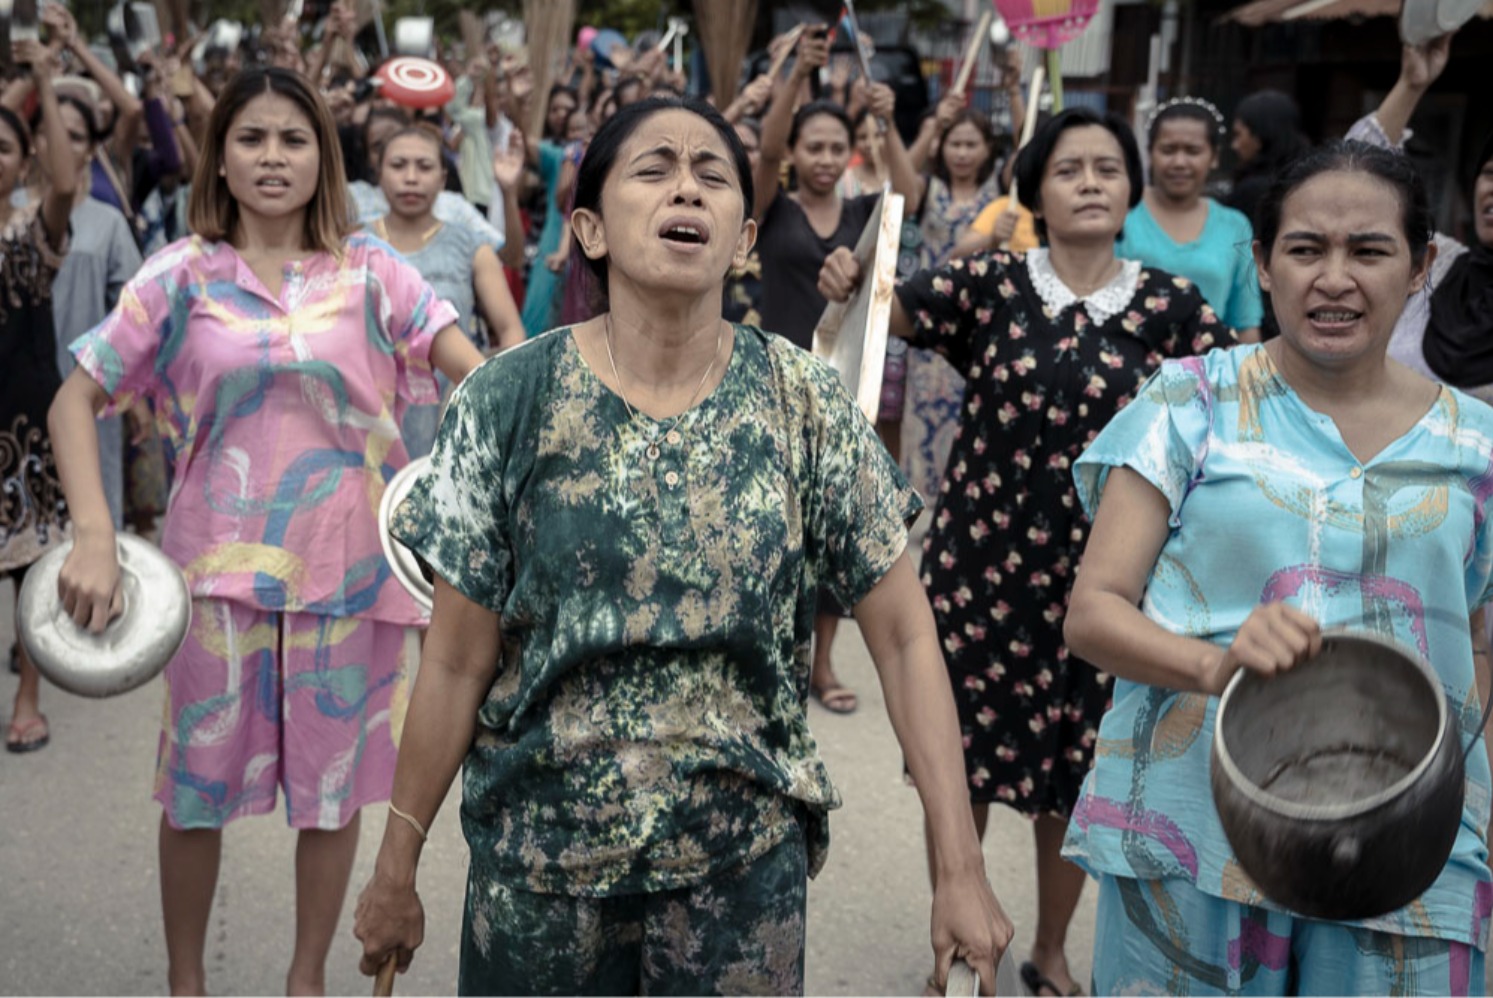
(1036, 983)
(22, 738)
(835, 698)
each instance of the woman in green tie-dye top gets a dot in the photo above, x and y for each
(628, 521)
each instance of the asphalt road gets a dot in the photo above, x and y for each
(79, 891)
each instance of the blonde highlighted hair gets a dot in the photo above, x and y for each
(212, 212)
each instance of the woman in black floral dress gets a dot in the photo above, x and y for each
(1052, 343)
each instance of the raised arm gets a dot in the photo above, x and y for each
(508, 171)
(1420, 65)
(813, 52)
(921, 152)
(905, 178)
(127, 108)
(61, 165)
(750, 102)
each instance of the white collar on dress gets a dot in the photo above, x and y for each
(1102, 305)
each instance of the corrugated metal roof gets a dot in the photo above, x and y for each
(1258, 12)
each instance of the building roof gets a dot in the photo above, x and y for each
(1258, 12)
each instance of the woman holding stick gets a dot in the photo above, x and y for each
(629, 521)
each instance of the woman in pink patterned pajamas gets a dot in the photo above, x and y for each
(280, 353)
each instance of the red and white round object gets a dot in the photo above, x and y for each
(415, 82)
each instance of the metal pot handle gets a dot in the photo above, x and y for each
(127, 574)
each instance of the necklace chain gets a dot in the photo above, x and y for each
(633, 413)
(382, 228)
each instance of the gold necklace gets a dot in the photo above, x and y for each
(425, 237)
(632, 413)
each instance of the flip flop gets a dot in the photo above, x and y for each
(1036, 983)
(15, 738)
(835, 698)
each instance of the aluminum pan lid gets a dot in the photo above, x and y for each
(132, 649)
(402, 560)
(1423, 20)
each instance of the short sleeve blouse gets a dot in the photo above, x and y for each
(280, 415)
(647, 725)
(446, 262)
(1219, 261)
(1268, 504)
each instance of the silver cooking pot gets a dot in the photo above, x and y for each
(133, 648)
(402, 560)
(1339, 783)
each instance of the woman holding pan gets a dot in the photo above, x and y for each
(1052, 344)
(1254, 497)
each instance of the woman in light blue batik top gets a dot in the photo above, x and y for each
(1254, 497)
(1179, 230)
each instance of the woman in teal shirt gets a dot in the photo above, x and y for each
(1254, 497)
(1177, 229)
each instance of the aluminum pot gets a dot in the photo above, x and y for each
(402, 560)
(1339, 783)
(133, 648)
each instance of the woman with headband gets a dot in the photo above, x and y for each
(1180, 230)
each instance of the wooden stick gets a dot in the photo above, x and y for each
(963, 981)
(789, 44)
(1028, 126)
(383, 984)
(471, 35)
(972, 52)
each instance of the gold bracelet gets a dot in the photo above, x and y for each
(414, 822)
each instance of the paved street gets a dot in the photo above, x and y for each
(80, 911)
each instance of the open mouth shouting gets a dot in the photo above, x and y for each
(685, 233)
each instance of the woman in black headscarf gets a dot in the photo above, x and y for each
(1266, 136)
(1446, 330)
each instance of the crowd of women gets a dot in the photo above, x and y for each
(647, 514)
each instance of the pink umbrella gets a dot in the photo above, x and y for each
(1047, 24)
